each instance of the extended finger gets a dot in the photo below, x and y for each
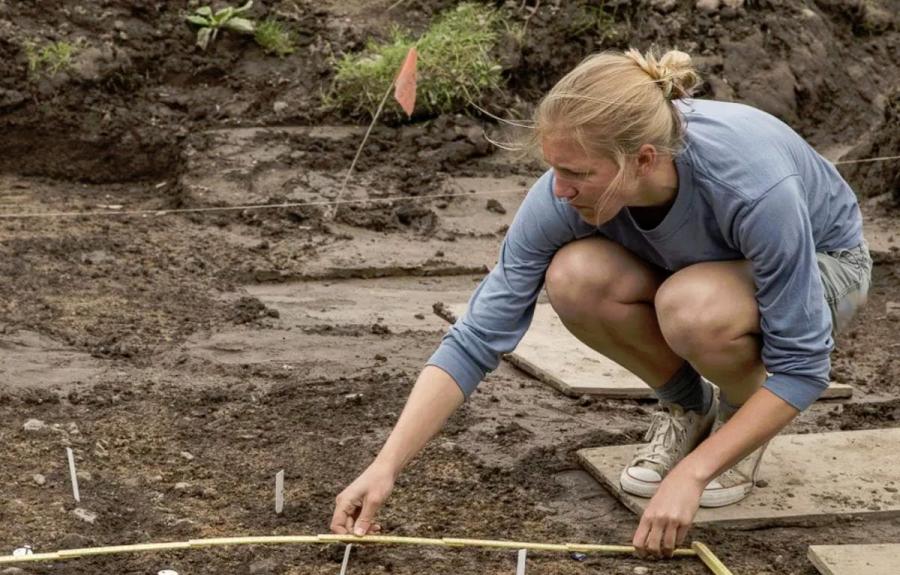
(339, 519)
(640, 538)
(653, 544)
(682, 534)
(367, 515)
(668, 539)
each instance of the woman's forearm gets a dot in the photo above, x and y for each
(434, 397)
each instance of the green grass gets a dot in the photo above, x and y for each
(454, 65)
(48, 59)
(274, 38)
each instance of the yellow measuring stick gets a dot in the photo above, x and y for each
(697, 548)
(261, 540)
(709, 559)
(385, 539)
(454, 542)
(4, 559)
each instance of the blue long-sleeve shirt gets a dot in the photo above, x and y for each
(749, 187)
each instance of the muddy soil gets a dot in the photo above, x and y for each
(187, 357)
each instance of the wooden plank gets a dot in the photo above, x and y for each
(581, 370)
(806, 477)
(883, 559)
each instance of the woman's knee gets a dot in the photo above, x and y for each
(587, 275)
(692, 315)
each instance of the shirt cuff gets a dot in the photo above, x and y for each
(458, 365)
(799, 391)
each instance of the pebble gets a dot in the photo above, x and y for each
(182, 486)
(639, 570)
(85, 515)
(34, 425)
(279, 106)
(892, 310)
(39, 479)
(187, 455)
(265, 566)
(13, 571)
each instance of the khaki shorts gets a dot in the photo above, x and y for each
(846, 275)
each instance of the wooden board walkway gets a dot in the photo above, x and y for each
(881, 559)
(806, 477)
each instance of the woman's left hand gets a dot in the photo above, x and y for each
(668, 517)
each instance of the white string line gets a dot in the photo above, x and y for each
(881, 159)
(163, 212)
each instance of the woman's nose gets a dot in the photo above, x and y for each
(563, 190)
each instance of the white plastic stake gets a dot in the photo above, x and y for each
(279, 492)
(346, 559)
(520, 565)
(73, 475)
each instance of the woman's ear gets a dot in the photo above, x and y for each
(646, 159)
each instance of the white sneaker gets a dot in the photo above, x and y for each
(673, 434)
(735, 483)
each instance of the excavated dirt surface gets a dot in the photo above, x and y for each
(157, 346)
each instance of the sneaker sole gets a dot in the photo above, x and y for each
(724, 496)
(634, 486)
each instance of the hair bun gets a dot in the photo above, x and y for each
(674, 72)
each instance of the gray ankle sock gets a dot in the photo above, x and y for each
(687, 389)
(726, 408)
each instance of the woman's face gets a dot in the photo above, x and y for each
(584, 181)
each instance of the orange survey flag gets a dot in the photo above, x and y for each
(405, 85)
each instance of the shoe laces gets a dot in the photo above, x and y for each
(666, 434)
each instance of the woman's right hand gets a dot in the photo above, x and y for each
(357, 505)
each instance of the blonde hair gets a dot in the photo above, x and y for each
(612, 103)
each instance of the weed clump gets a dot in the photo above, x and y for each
(455, 65)
(49, 59)
(274, 38)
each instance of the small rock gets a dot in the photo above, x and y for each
(72, 429)
(74, 541)
(892, 310)
(354, 397)
(34, 425)
(495, 206)
(13, 571)
(708, 6)
(39, 479)
(664, 6)
(10, 98)
(762, 483)
(640, 570)
(182, 486)
(279, 107)
(187, 455)
(380, 357)
(419, 316)
(85, 515)
(265, 566)
(579, 556)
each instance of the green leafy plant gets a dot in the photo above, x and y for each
(50, 58)
(211, 22)
(274, 38)
(455, 64)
